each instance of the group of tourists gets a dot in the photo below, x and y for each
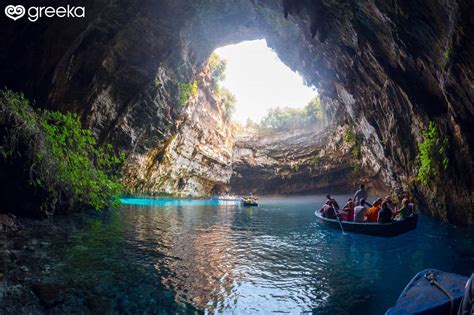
(357, 209)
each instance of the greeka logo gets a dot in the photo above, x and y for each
(16, 12)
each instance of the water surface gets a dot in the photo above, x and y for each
(173, 256)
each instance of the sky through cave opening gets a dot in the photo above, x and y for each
(260, 81)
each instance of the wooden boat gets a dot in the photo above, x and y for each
(422, 296)
(375, 229)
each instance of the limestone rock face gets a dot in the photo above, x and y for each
(388, 67)
(194, 162)
(301, 161)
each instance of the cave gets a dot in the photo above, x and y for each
(395, 78)
(385, 68)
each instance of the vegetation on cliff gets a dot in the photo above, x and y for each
(61, 163)
(354, 140)
(186, 91)
(432, 156)
(217, 67)
(287, 119)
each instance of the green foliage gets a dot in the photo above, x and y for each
(314, 161)
(354, 140)
(251, 124)
(229, 101)
(445, 61)
(187, 90)
(64, 160)
(157, 82)
(295, 167)
(432, 154)
(285, 119)
(217, 68)
(446, 54)
(316, 111)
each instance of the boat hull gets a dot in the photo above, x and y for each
(392, 229)
(421, 297)
(249, 204)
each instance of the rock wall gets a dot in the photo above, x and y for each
(194, 162)
(301, 162)
(388, 67)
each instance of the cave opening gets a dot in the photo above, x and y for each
(259, 82)
(274, 115)
(253, 118)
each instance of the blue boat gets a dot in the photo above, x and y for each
(427, 293)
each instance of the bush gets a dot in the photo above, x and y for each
(432, 154)
(187, 90)
(63, 160)
(354, 140)
(229, 101)
(217, 66)
(286, 119)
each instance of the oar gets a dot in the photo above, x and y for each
(338, 216)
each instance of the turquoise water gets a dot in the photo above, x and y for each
(169, 202)
(177, 256)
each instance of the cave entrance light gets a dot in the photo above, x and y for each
(260, 81)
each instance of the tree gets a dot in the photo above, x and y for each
(229, 101)
(316, 111)
(217, 67)
(250, 124)
(286, 118)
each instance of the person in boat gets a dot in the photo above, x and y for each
(360, 194)
(390, 204)
(348, 211)
(385, 214)
(373, 212)
(328, 210)
(406, 210)
(333, 201)
(360, 211)
(250, 198)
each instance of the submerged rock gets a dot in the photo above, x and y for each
(8, 223)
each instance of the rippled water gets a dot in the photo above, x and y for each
(176, 256)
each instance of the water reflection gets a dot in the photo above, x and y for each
(224, 258)
(175, 257)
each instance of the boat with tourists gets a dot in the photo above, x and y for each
(391, 229)
(381, 218)
(249, 202)
(433, 291)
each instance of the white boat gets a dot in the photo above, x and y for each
(227, 198)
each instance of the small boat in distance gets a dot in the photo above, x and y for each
(391, 229)
(249, 202)
(226, 198)
(431, 291)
